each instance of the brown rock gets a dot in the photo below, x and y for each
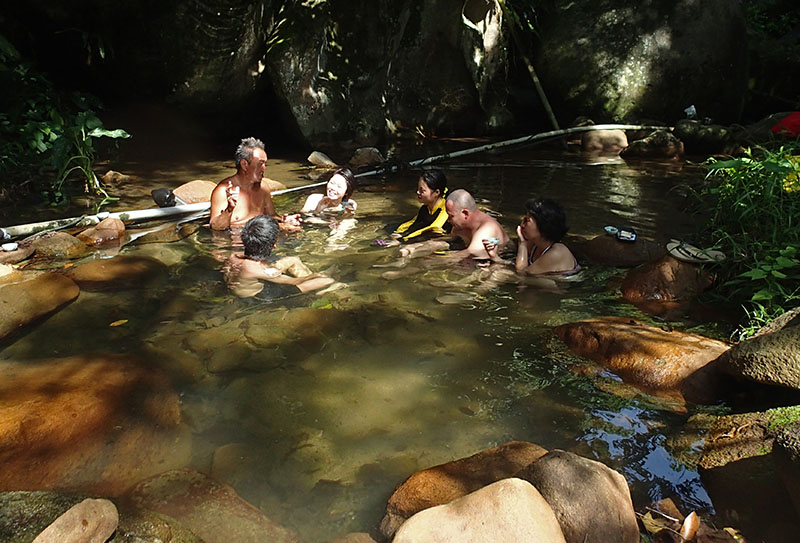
(644, 355)
(59, 245)
(508, 511)
(664, 281)
(195, 192)
(107, 230)
(99, 423)
(115, 178)
(591, 501)
(210, 509)
(444, 483)
(366, 156)
(16, 256)
(608, 250)
(91, 521)
(26, 302)
(120, 272)
(321, 160)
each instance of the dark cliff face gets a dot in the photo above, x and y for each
(332, 70)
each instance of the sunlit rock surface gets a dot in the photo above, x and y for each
(212, 510)
(658, 145)
(624, 60)
(645, 355)
(90, 521)
(772, 358)
(108, 230)
(605, 249)
(663, 281)
(444, 483)
(591, 501)
(508, 511)
(99, 423)
(28, 300)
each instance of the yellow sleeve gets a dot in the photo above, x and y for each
(437, 226)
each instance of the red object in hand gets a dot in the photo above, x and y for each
(788, 126)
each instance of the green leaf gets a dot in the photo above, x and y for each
(779, 275)
(754, 274)
(783, 262)
(762, 294)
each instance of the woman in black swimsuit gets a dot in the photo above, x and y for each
(539, 248)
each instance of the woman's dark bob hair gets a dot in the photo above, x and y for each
(549, 216)
(347, 173)
(435, 180)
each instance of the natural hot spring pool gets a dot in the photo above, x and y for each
(315, 408)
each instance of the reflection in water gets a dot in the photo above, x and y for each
(317, 407)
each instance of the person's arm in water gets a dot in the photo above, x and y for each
(223, 202)
(311, 203)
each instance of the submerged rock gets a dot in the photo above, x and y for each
(168, 234)
(25, 302)
(772, 358)
(508, 511)
(95, 422)
(591, 501)
(120, 272)
(644, 355)
(210, 509)
(444, 483)
(660, 284)
(90, 521)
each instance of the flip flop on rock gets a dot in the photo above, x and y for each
(623, 233)
(689, 253)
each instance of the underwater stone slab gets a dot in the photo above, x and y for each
(25, 302)
(55, 245)
(95, 422)
(90, 521)
(120, 272)
(168, 234)
(210, 509)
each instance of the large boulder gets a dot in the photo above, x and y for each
(29, 300)
(444, 483)
(772, 358)
(623, 60)
(508, 511)
(210, 509)
(95, 422)
(646, 356)
(591, 501)
(120, 272)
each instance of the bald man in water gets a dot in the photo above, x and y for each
(470, 225)
(242, 196)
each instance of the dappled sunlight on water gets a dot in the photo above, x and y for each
(316, 407)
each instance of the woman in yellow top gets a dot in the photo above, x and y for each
(431, 220)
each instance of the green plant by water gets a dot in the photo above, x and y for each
(754, 202)
(46, 137)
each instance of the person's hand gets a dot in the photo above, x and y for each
(520, 233)
(349, 207)
(395, 235)
(490, 246)
(287, 227)
(232, 194)
(293, 220)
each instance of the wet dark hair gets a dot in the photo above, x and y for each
(549, 216)
(435, 180)
(258, 236)
(245, 150)
(349, 178)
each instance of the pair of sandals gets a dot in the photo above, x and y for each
(622, 233)
(689, 253)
